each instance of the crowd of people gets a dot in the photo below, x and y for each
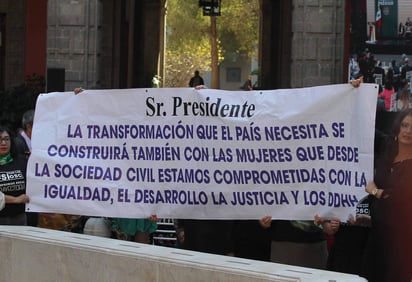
(394, 80)
(375, 244)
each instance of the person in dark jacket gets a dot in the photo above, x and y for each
(196, 80)
(12, 181)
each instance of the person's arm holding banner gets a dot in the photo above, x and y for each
(78, 90)
(205, 154)
(265, 221)
(357, 82)
(373, 190)
(6, 199)
(329, 226)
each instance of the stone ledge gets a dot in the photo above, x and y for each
(36, 254)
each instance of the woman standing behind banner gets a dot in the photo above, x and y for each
(12, 181)
(389, 250)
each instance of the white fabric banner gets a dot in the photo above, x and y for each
(203, 154)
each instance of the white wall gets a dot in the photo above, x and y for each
(39, 255)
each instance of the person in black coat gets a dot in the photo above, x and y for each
(23, 138)
(22, 143)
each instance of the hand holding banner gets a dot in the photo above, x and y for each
(185, 153)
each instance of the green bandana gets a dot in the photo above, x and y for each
(6, 159)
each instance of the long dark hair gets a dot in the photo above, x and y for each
(392, 145)
(388, 84)
(12, 143)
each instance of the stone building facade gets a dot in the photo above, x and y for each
(120, 43)
(318, 49)
(12, 42)
(73, 45)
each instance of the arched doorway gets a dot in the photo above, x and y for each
(134, 42)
